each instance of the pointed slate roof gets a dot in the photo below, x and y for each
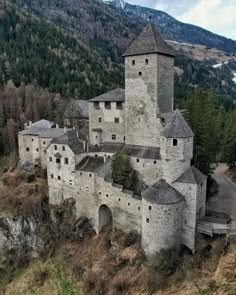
(162, 193)
(192, 176)
(149, 41)
(177, 127)
(114, 95)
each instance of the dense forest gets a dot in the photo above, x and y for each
(41, 67)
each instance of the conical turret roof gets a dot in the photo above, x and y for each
(192, 176)
(162, 193)
(177, 127)
(149, 41)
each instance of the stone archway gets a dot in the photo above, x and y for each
(104, 218)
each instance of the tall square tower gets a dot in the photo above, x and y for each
(149, 87)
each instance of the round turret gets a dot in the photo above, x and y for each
(161, 218)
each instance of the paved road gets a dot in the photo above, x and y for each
(225, 201)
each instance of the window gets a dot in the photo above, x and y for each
(107, 105)
(55, 147)
(137, 160)
(124, 138)
(147, 220)
(99, 120)
(70, 182)
(128, 204)
(44, 142)
(81, 174)
(155, 162)
(96, 105)
(146, 61)
(96, 156)
(32, 139)
(37, 149)
(119, 105)
(59, 177)
(139, 208)
(50, 159)
(100, 193)
(113, 137)
(66, 160)
(87, 189)
(51, 175)
(133, 62)
(175, 142)
(109, 157)
(163, 121)
(107, 195)
(90, 175)
(27, 149)
(140, 73)
(118, 199)
(58, 160)
(63, 148)
(117, 120)
(150, 208)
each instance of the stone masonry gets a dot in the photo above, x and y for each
(141, 121)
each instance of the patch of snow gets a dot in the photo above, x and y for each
(234, 79)
(188, 44)
(220, 65)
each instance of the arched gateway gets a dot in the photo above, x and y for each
(104, 218)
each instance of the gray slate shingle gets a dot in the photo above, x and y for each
(149, 41)
(176, 126)
(112, 96)
(162, 193)
(192, 176)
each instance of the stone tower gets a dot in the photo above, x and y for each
(176, 147)
(149, 87)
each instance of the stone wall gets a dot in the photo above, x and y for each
(161, 226)
(172, 170)
(149, 92)
(102, 120)
(189, 191)
(183, 150)
(150, 170)
(30, 142)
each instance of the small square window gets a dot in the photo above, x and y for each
(50, 159)
(113, 137)
(147, 220)
(137, 160)
(133, 62)
(59, 177)
(63, 148)
(150, 208)
(51, 175)
(55, 147)
(119, 105)
(44, 142)
(66, 160)
(27, 149)
(146, 61)
(96, 156)
(37, 149)
(119, 199)
(58, 160)
(155, 162)
(96, 105)
(139, 208)
(99, 120)
(140, 73)
(90, 175)
(32, 139)
(175, 142)
(107, 195)
(100, 193)
(109, 157)
(107, 105)
(117, 120)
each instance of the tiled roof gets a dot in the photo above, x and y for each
(106, 170)
(143, 152)
(162, 193)
(176, 126)
(149, 41)
(192, 176)
(112, 96)
(52, 133)
(33, 131)
(43, 124)
(90, 164)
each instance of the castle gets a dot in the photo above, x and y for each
(140, 119)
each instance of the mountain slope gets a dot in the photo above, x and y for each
(173, 29)
(31, 49)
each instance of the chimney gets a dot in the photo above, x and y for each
(65, 129)
(57, 126)
(84, 144)
(77, 134)
(25, 125)
(30, 123)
